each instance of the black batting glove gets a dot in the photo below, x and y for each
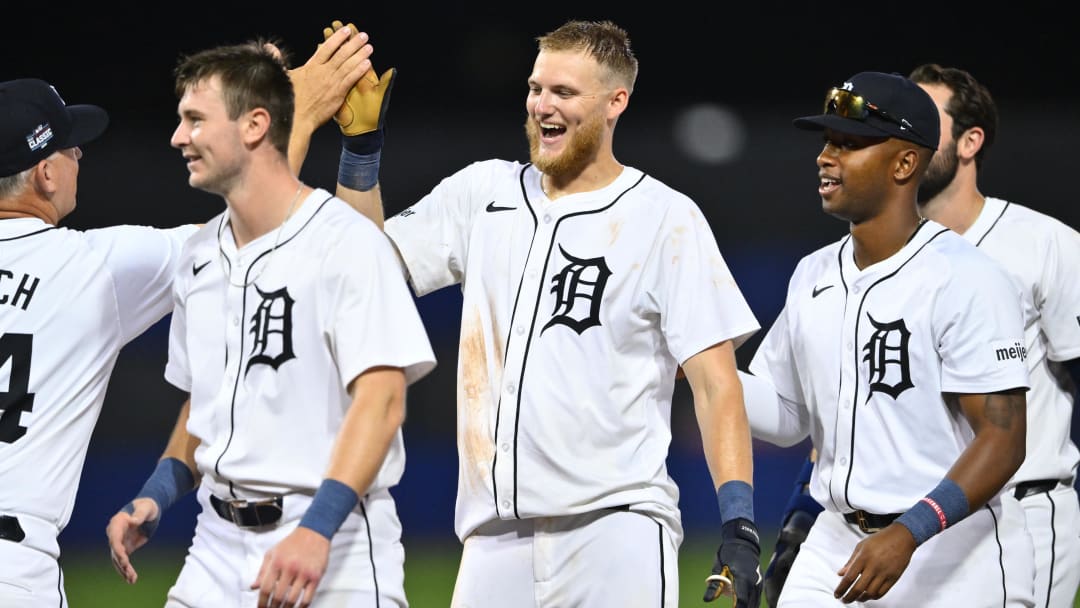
(791, 537)
(737, 569)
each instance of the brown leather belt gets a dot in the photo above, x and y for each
(1035, 486)
(249, 513)
(870, 522)
(10, 529)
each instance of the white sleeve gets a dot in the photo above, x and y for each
(374, 318)
(774, 397)
(977, 318)
(1058, 299)
(772, 418)
(432, 236)
(142, 261)
(700, 303)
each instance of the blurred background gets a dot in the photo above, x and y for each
(711, 116)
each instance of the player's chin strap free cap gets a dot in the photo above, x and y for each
(35, 122)
(875, 104)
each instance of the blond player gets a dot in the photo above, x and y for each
(586, 285)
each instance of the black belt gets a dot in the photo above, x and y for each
(248, 513)
(870, 522)
(10, 529)
(1037, 486)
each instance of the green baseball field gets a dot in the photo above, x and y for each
(429, 576)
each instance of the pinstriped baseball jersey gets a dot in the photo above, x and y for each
(575, 316)
(869, 353)
(69, 301)
(1042, 256)
(268, 364)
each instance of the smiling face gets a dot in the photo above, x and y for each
(569, 108)
(856, 174)
(210, 141)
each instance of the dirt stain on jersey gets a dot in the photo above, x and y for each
(474, 403)
(615, 228)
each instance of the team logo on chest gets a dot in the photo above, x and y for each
(579, 289)
(886, 354)
(271, 326)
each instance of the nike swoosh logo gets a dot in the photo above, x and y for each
(492, 208)
(817, 290)
(195, 269)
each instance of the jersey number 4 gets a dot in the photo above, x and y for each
(17, 349)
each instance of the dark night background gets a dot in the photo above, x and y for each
(459, 97)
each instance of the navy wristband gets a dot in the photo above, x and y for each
(736, 500)
(359, 171)
(170, 480)
(942, 507)
(332, 504)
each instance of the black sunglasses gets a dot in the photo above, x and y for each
(848, 104)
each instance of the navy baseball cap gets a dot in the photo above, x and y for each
(876, 104)
(35, 122)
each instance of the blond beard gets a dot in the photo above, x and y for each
(581, 150)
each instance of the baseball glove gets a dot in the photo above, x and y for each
(364, 110)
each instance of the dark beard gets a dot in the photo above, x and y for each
(939, 174)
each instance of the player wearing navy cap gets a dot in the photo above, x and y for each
(896, 353)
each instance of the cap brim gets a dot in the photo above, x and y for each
(87, 124)
(840, 125)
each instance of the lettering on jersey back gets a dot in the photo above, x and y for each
(886, 353)
(579, 289)
(271, 326)
(17, 295)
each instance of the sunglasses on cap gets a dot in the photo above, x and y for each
(847, 104)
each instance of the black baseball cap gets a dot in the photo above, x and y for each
(875, 104)
(35, 122)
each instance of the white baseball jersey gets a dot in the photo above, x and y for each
(69, 301)
(1042, 255)
(268, 364)
(576, 314)
(866, 355)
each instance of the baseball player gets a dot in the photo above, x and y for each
(899, 350)
(1038, 252)
(295, 337)
(69, 301)
(1035, 250)
(586, 285)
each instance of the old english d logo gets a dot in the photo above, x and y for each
(271, 325)
(886, 352)
(578, 289)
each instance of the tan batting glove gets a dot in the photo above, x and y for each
(364, 110)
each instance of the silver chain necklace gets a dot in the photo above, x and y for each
(277, 241)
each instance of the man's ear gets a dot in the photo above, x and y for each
(970, 142)
(254, 125)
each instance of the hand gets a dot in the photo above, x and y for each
(875, 565)
(737, 569)
(292, 569)
(127, 532)
(321, 84)
(364, 110)
(796, 527)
